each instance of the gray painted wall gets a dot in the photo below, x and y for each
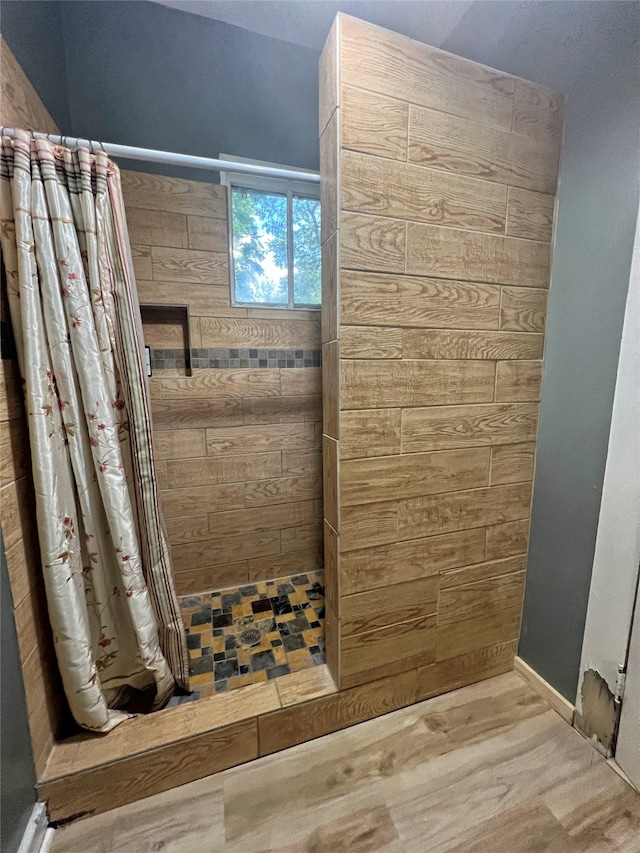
(34, 34)
(142, 74)
(597, 210)
(17, 780)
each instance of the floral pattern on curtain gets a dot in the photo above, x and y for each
(114, 613)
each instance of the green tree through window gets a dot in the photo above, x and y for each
(306, 251)
(261, 250)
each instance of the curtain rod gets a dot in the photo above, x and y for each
(169, 158)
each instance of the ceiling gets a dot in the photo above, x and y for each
(307, 22)
(553, 42)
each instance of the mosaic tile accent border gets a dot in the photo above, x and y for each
(164, 359)
(168, 359)
(254, 633)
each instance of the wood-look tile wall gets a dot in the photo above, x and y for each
(46, 709)
(239, 450)
(438, 182)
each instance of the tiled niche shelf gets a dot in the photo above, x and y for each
(176, 316)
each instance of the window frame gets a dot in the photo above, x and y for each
(280, 186)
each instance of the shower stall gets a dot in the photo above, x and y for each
(346, 492)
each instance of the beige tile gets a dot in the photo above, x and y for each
(471, 256)
(370, 432)
(282, 490)
(152, 772)
(537, 113)
(373, 384)
(374, 124)
(436, 343)
(232, 384)
(299, 462)
(329, 181)
(412, 474)
(157, 227)
(523, 309)
(263, 518)
(228, 441)
(309, 559)
(382, 61)
(374, 243)
(180, 444)
(189, 266)
(251, 333)
(518, 380)
(373, 299)
(207, 233)
(209, 300)
(512, 463)
(378, 608)
(330, 296)
(300, 537)
(223, 469)
(502, 590)
(402, 646)
(305, 685)
(173, 725)
(331, 389)
(530, 215)
(465, 147)
(382, 187)
(504, 540)
(158, 192)
(370, 342)
(227, 548)
(330, 479)
(328, 83)
(440, 427)
(371, 568)
(463, 510)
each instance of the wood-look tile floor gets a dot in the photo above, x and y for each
(489, 768)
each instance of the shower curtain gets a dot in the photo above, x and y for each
(116, 621)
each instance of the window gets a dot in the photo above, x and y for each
(275, 241)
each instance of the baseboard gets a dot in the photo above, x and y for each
(559, 704)
(37, 835)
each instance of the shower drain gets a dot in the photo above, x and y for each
(250, 637)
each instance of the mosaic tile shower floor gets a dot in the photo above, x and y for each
(254, 633)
